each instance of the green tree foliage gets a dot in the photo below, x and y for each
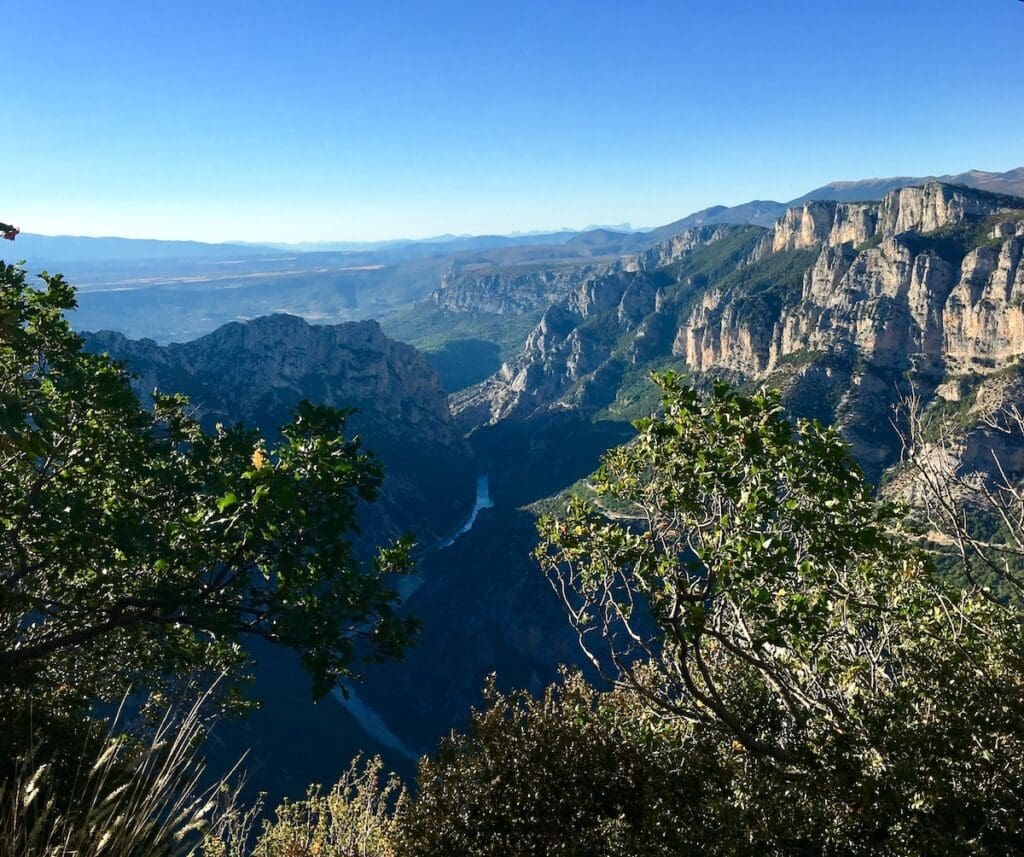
(134, 547)
(738, 576)
(572, 773)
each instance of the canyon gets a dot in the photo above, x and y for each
(842, 304)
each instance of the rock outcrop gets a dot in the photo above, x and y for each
(928, 281)
(824, 222)
(512, 290)
(240, 369)
(258, 371)
(983, 320)
(910, 209)
(525, 288)
(926, 209)
(884, 303)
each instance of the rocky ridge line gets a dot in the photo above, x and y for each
(928, 280)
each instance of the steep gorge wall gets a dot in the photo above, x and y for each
(930, 279)
(525, 288)
(875, 292)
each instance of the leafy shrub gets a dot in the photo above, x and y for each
(570, 773)
(858, 703)
(358, 817)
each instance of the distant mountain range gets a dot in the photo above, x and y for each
(74, 248)
(1010, 182)
(52, 249)
(760, 212)
(178, 290)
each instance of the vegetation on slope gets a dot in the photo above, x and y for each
(952, 243)
(763, 289)
(463, 347)
(709, 262)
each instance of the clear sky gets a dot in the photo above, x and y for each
(294, 120)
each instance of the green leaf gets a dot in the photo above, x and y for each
(227, 501)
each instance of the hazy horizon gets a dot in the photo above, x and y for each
(623, 226)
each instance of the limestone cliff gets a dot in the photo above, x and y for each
(242, 369)
(910, 209)
(524, 288)
(823, 222)
(510, 290)
(983, 319)
(257, 371)
(847, 299)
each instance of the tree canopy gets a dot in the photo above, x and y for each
(737, 573)
(134, 547)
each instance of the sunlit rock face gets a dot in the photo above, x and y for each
(927, 282)
(983, 320)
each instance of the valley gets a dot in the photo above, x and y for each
(530, 362)
(512, 430)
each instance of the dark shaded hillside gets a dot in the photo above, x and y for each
(485, 604)
(463, 347)
(256, 372)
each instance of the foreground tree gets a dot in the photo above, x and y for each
(972, 514)
(135, 548)
(574, 773)
(737, 574)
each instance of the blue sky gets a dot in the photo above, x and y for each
(367, 120)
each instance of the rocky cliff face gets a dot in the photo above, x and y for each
(910, 209)
(983, 319)
(676, 247)
(842, 298)
(242, 370)
(257, 371)
(940, 289)
(926, 209)
(823, 222)
(522, 289)
(884, 303)
(566, 351)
